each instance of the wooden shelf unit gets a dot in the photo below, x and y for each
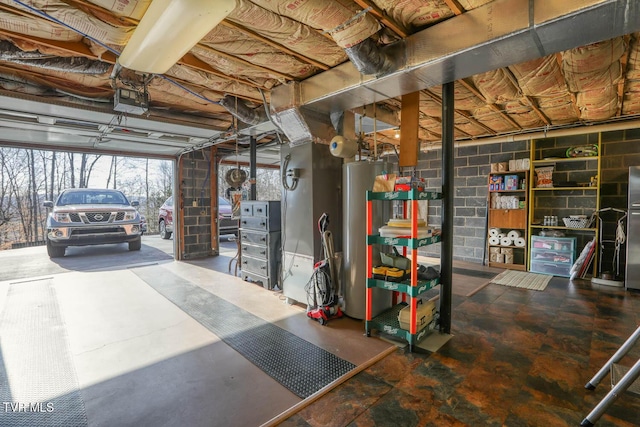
(508, 219)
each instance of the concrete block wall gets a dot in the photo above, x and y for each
(472, 165)
(620, 149)
(195, 197)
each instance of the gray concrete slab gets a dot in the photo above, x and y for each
(141, 361)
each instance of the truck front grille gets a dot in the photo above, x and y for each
(98, 216)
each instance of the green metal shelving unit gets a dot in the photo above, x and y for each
(387, 321)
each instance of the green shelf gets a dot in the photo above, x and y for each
(405, 286)
(387, 323)
(399, 241)
(414, 194)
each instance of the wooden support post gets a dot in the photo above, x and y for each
(409, 145)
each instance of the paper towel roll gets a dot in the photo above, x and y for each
(514, 234)
(494, 240)
(502, 235)
(520, 242)
(506, 241)
(494, 231)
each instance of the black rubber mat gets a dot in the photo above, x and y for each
(474, 273)
(38, 382)
(298, 365)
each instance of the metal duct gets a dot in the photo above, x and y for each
(370, 58)
(78, 65)
(240, 110)
(498, 34)
(300, 125)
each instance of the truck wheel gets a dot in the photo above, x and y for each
(55, 251)
(163, 231)
(135, 245)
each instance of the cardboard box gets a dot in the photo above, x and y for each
(426, 310)
(511, 182)
(506, 251)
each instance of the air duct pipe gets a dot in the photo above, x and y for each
(370, 58)
(77, 65)
(240, 110)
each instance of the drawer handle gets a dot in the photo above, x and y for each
(264, 239)
(244, 222)
(263, 267)
(245, 248)
(263, 253)
(263, 223)
(245, 262)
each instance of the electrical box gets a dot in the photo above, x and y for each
(130, 101)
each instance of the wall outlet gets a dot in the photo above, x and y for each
(194, 203)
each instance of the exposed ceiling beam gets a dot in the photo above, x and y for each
(271, 43)
(493, 107)
(455, 7)
(624, 65)
(574, 101)
(382, 16)
(462, 113)
(532, 104)
(244, 62)
(194, 62)
(529, 100)
(101, 12)
(58, 83)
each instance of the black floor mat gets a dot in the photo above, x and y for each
(298, 365)
(474, 273)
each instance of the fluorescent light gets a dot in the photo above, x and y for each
(169, 29)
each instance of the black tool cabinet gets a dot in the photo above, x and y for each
(260, 241)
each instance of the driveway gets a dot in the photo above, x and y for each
(34, 262)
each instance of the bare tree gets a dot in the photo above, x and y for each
(52, 174)
(33, 191)
(28, 176)
(72, 171)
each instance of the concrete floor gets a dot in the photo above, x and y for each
(127, 356)
(136, 359)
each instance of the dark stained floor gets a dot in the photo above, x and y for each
(517, 358)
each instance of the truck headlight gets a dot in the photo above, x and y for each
(128, 216)
(61, 217)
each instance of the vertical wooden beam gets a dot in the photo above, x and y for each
(409, 145)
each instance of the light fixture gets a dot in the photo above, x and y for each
(397, 135)
(168, 30)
